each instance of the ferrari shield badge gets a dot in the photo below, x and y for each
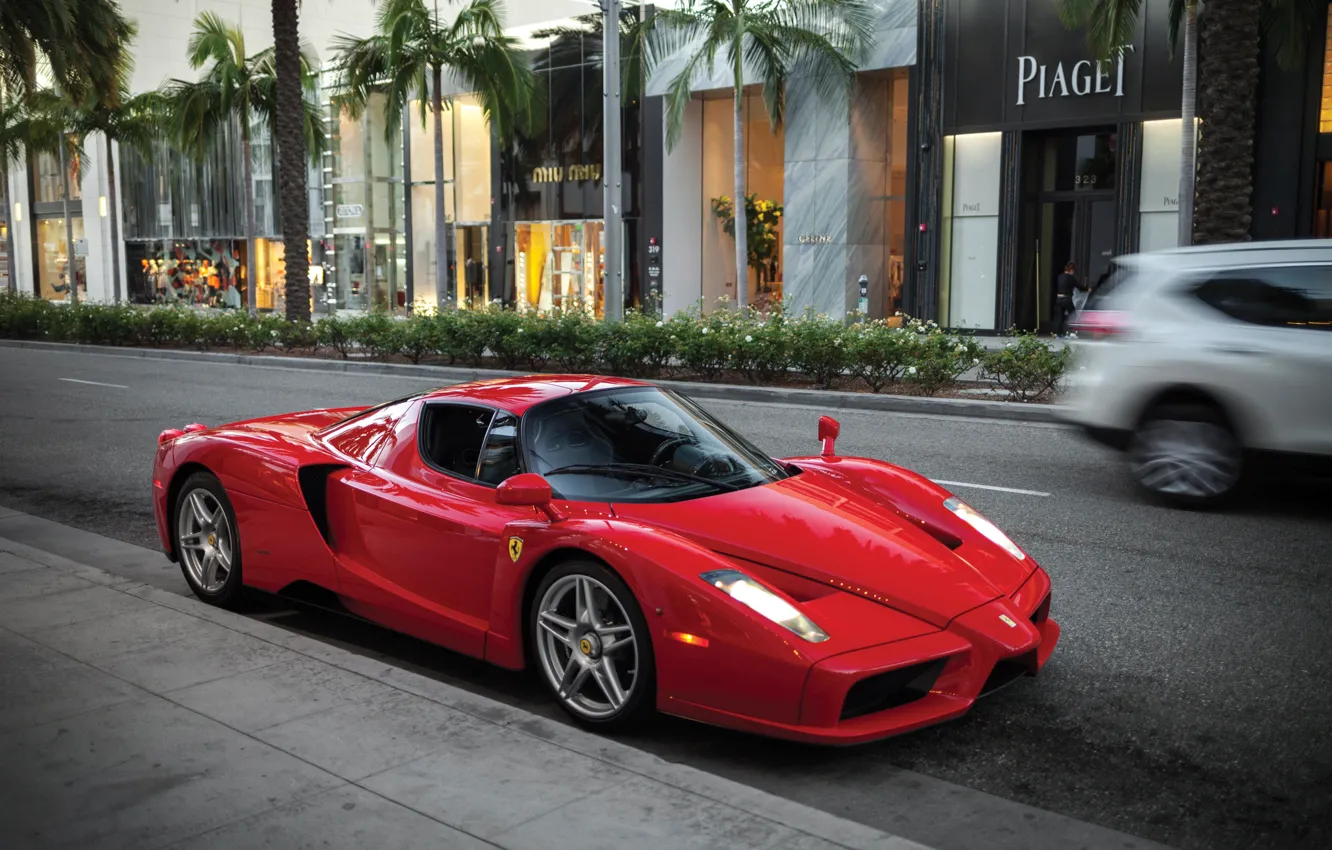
(1008, 621)
(515, 548)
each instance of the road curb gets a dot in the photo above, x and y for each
(823, 399)
(793, 815)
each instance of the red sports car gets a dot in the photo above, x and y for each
(637, 551)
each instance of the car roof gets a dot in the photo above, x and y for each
(1239, 253)
(516, 395)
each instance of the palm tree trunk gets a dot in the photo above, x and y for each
(1188, 145)
(291, 156)
(1228, 64)
(741, 226)
(251, 261)
(113, 203)
(443, 277)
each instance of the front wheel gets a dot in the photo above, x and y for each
(1186, 456)
(592, 646)
(207, 543)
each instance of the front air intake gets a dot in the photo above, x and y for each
(892, 689)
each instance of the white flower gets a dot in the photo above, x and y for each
(707, 331)
(911, 370)
(961, 349)
(975, 361)
(898, 313)
(748, 338)
(661, 324)
(520, 330)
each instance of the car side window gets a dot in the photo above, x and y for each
(1275, 296)
(499, 458)
(451, 437)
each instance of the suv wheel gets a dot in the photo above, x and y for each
(1186, 455)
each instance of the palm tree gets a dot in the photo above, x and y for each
(136, 122)
(411, 49)
(241, 87)
(292, 157)
(819, 41)
(78, 41)
(1230, 31)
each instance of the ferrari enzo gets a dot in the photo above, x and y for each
(636, 551)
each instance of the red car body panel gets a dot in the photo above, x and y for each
(866, 549)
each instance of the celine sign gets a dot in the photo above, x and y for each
(558, 174)
(815, 239)
(1084, 78)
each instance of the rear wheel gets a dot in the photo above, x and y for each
(1187, 456)
(592, 646)
(207, 542)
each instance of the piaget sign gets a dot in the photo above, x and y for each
(559, 174)
(1082, 79)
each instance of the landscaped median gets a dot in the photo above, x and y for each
(774, 349)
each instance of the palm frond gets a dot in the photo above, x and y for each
(1110, 24)
(1289, 24)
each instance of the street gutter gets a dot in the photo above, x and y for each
(821, 399)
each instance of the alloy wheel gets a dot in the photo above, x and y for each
(587, 646)
(205, 539)
(1196, 460)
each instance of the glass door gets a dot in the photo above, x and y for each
(473, 265)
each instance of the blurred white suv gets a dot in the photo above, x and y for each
(1205, 365)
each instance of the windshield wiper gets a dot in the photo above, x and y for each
(639, 470)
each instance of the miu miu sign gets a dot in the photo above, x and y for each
(559, 174)
(1082, 79)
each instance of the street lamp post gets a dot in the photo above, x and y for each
(612, 171)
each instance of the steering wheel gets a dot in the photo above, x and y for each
(674, 443)
(719, 464)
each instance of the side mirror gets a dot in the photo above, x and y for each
(829, 428)
(527, 490)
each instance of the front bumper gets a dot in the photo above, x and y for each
(925, 680)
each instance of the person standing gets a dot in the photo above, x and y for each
(1067, 284)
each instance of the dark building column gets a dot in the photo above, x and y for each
(1010, 214)
(922, 289)
(1128, 187)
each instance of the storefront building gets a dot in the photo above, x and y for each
(1033, 154)
(838, 172)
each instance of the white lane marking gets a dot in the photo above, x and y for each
(991, 487)
(95, 383)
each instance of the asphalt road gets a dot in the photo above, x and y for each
(1189, 702)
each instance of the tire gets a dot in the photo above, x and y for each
(1187, 456)
(207, 540)
(568, 649)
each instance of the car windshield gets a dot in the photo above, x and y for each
(638, 444)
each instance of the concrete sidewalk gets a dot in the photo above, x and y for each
(133, 717)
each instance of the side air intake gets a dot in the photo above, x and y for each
(314, 488)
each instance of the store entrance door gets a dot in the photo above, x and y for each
(473, 265)
(1068, 215)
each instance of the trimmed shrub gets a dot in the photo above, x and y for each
(1026, 368)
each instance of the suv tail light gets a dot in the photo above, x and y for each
(1100, 324)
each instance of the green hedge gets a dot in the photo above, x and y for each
(917, 357)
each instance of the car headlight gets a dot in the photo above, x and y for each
(984, 526)
(763, 601)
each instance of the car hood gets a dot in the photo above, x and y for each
(814, 527)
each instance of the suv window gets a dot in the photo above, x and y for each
(499, 459)
(1276, 296)
(451, 436)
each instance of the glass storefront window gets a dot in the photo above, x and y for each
(1325, 110)
(199, 272)
(1081, 163)
(53, 260)
(765, 165)
(969, 280)
(895, 221)
(473, 266)
(472, 149)
(561, 265)
(1322, 226)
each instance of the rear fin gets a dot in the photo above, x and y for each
(314, 488)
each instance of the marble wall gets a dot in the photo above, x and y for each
(837, 173)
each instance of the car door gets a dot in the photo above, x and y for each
(423, 527)
(1277, 351)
